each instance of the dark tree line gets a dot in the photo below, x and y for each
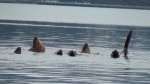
(113, 2)
(107, 2)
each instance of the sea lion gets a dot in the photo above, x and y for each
(125, 50)
(72, 53)
(115, 54)
(18, 50)
(85, 48)
(37, 46)
(59, 52)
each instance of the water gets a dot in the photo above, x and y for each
(95, 68)
(71, 14)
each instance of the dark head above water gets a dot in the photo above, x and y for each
(37, 45)
(85, 48)
(18, 50)
(72, 53)
(59, 52)
(115, 54)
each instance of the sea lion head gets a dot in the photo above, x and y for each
(85, 48)
(72, 53)
(37, 45)
(18, 50)
(115, 54)
(59, 52)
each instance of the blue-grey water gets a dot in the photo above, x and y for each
(95, 68)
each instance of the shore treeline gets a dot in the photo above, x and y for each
(139, 4)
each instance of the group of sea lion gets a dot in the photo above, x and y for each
(116, 54)
(38, 46)
(72, 53)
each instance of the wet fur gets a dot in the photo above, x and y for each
(115, 54)
(125, 50)
(72, 53)
(18, 50)
(59, 52)
(37, 46)
(85, 48)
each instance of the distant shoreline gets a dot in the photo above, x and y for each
(61, 24)
(85, 5)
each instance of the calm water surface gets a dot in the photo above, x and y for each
(98, 67)
(95, 68)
